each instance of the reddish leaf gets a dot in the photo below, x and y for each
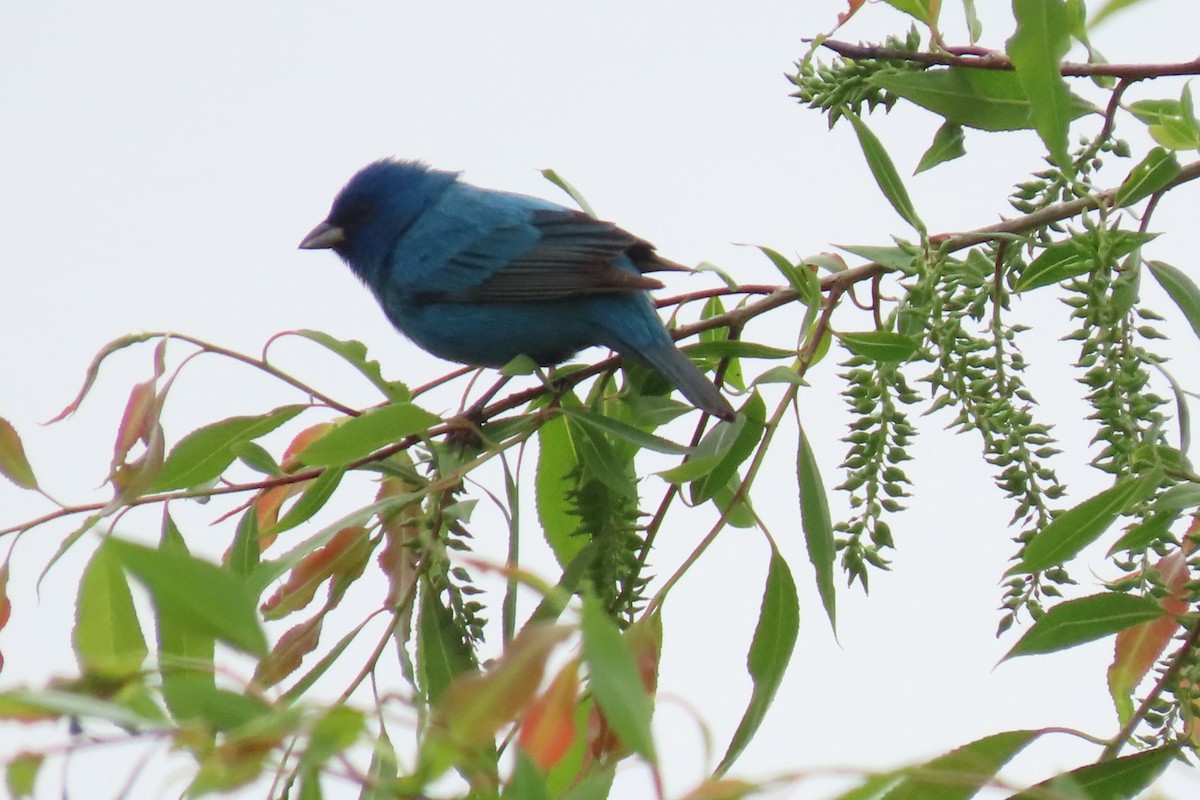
(548, 727)
(138, 422)
(1139, 647)
(5, 603)
(288, 652)
(313, 570)
(13, 463)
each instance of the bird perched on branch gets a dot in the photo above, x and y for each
(481, 276)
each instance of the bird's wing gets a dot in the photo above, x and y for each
(490, 247)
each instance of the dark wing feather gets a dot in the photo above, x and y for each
(574, 255)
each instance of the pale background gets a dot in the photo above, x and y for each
(159, 163)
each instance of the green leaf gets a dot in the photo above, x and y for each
(1154, 528)
(1110, 8)
(770, 651)
(1037, 48)
(747, 437)
(244, 555)
(355, 354)
(614, 680)
(1078, 255)
(1181, 289)
(202, 455)
(599, 459)
(987, 99)
(736, 348)
(1118, 779)
(947, 145)
(312, 499)
(884, 347)
(1155, 171)
(526, 782)
(818, 525)
(1075, 529)
(925, 11)
(362, 435)
(884, 171)
(107, 636)
(555, 466)
(1085, 619)
(961, 773)
(198, 594)
(13, 463)
(21, 774)
(898, 258)
(574, 194)
(626, 432)
(441, 652)
(336, 730)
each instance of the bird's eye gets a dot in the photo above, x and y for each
(356, 214)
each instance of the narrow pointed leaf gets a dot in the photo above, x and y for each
(884, 347)
(13, 463)
(770, 652)
(197, 593)
(614, 680)
(1085, 619)
(107, 637)
(204, 454)
(987, 99)
(1181, 289)
(1155, 171)
(947, 145)
(885, 172)
(1119, 779)
(961, 773)
(355, 354)
(364, 434)
(818, 526)
(1073, 530)
(555, 466)
(1037, 49)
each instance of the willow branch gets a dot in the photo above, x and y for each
(998, 61)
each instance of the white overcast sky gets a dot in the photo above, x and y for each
(159, 162)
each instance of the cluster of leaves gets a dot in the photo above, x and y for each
(474, 702)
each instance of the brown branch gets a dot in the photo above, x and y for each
(998, 61)
(834, 285)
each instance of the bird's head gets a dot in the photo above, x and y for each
(374, 209)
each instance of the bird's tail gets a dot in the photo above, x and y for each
(678, 369)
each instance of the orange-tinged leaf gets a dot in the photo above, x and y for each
(302, 440)
(13, 463)
(854, 6)
(313, 570)
(1139, 647)
(548, 727)
(402, 527)
(476, 705)
(269, 501)
(288, 652)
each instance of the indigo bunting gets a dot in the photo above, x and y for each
(481, 276)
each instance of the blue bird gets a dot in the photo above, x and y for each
(481, 276)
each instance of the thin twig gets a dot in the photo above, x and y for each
(996, 60)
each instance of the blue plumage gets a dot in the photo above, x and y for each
(480, 276)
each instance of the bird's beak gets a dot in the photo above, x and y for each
(323, 237)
